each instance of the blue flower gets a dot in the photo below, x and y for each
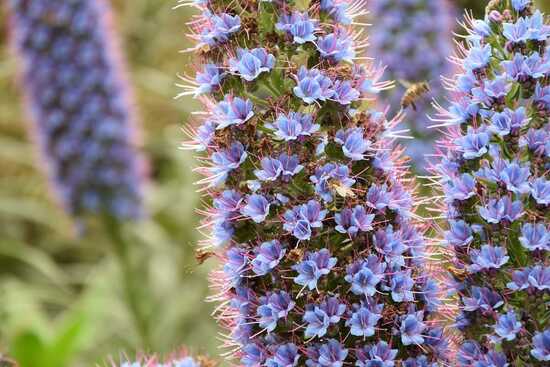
(204, 136)
(520, 5)
(461, 188)
(290, 165)
(271, 169)
(520, 280)
(540, 191)
(516, 33)
(379, 355)
(459, 233)
(226, 161)
(478, 58)
(250, 64)
(286, 356)
(235, 264)
(411, 329)
(301, 219)
(401, 285)
(209, 79)
(503, 209)
(482, 298)
(293, 126)
(336, 46)
(489, 257)
(233, 111)
(256, 208)
(388, 243)
(313, 267)
(542, 95)
(364, 276)
(378, 197)
(354, 145)
(539, 278)
(541, 346)
(299, 26)
(345, 93)
(535, 237)
(333, 308)
(361, 220)
(534, 140)
(515, 177)
(492, 91)
(222, 231)
(219, 28)
(538, 29)
(312, 85)
(507, 326)
(332, 354)
(317, 322)
(268, 257)
(364, 319)
(524, 68)
(474, 144)
(343, 221)
(337, 10)
(273, 307)
(253, 356)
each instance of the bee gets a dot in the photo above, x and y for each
(459, 274)
(413, 93)
(296, 254)
(342, 190)
(202, 255)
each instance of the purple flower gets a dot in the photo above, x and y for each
(226, 161)
(354, 145)
(301, 219)
(459, 234)
(515, 177)
(317, 323)
(411, 329)
(336, 46)
(294, 126)
(332, 354)
(235, 265)
(274, 307)
(250, 64)
(401, 285)
(535, 237)
(378, 197)
(540, 191)
(364, 276)
(478, 58)
(388, 243)
(338, 10)
(219, 28)
(312, 85)
(489, 257)
(474, 144)
(333, 308)
(539, 278)
(541, 346)
(233, 111)
(492, 91)
(268, 257)
(520, 5)
(299, 26)
(290, 165)
(507, 326)
(253, 356)
(379, 355)
(313, 267)
(286, 356)
(256, 208)
(204, 136)
(503, 209)
(271, 169)
(344, 93)
(461, 188)
(482, 298)
(364, 319)
(520, 280)
(209, 79)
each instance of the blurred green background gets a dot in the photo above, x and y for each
(61, 301)
(60, 296)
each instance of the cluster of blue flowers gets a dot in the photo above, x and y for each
(413, 38)
(494, 175)
(79, 104)
(323, 264)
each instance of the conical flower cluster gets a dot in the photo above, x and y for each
(494, 174)
(413, 38)
(80, 107)
(323, 263)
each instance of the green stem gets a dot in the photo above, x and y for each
(130, 283)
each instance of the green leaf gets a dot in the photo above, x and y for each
(28, 349)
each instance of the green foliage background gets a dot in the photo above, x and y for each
(61, 300)
(60, 295)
